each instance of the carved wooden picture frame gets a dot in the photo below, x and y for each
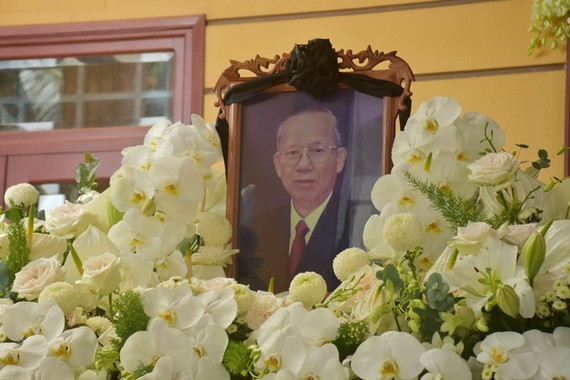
(366, 93)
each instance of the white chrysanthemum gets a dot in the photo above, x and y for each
(404, 231)
(22, 194)
(98, 324)
(349, 261)
(63, 293)
(214, 229)
(309, 288)
(244, 298)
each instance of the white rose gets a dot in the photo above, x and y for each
(35, 276)
(102, 273)
(263, 306)
(493, 169)
(469, 239)
(67, 220)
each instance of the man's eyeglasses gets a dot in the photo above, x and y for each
(317, 154)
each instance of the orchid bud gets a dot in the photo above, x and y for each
(508, 300)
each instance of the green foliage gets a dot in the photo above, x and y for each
(85, 174)
(456, 210)
(350, 335)
(4, 278)
(549, 23)
(391, 278)
(234, 361)
(437, 293)
(129, 316)
(543, 161)
(18, 250)
(15, 214)
(106, 357)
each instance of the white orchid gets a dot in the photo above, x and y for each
(505, 351)
(444, 364)
(76, 347)
(28, 355)
(25, 319)
(162, 348)
(316, 327)
(131, 187)
(322, 363)
(177, 306)
(221, 305)
(281, 353)
(392, 355)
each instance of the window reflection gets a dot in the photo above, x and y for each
(80, 92)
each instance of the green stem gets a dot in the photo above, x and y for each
(502, 200)
(76, 259)
(31, 218)
(111, 312)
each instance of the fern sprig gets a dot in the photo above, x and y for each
(455, 209)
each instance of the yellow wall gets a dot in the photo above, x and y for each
(473, 51)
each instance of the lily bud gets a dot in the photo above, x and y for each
(508, 300)
(534, 251)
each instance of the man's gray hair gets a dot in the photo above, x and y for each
(314, 109)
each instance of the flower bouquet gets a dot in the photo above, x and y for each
(465, 273)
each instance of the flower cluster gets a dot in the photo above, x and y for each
(550, 22)
(466, 272)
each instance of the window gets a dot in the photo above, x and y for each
(67, 89)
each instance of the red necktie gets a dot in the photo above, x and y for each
(298, 246)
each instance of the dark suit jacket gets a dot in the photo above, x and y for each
(264, 247)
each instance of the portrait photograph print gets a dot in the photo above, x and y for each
(307, 168)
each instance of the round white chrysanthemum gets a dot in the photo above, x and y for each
(309, 288)
(404, 231)
(63, 293)
(349, 261)
(214, 229)
(22, 194)
(243, 297)
(98, 324)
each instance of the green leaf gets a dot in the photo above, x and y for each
(543, 154)
(391, 274)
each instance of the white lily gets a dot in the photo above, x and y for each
(480, 276)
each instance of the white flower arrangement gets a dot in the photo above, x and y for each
(466, 272)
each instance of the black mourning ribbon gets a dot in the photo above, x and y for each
(312, 68)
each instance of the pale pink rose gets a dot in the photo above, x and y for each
(67, 220)
(102, 273)
(518, 233)
(263, 306)
(218, 283)
(493, 169)
(35, 276)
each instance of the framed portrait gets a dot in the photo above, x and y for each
(303, 153)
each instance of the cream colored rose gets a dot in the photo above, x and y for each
(102, 273)
(469, 239)
(493, 169)
(35, 276)
(263, 306)
(67, 221)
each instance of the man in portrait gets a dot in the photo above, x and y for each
(309, 230)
